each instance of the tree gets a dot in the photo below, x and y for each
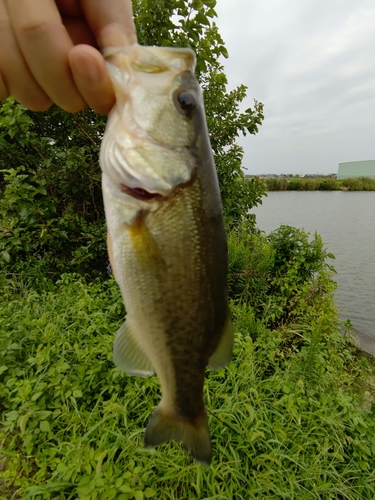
(189, 24)
(51, 206)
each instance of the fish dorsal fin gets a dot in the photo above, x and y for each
(128, 356)
(223, 353)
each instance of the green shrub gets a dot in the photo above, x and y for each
(287, 420)
(294, 185)
(368, 184)
(276, 184)
(309, 185)
(328, 185)
(279, 275)
(359, 184)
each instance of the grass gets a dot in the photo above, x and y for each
(291, 417)
(320, 184)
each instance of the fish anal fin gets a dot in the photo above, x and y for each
(127, 354)
(195, 436)
(223, 352)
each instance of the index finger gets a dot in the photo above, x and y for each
(45, 45)
(111, 21)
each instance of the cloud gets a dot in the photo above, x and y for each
(312, 64)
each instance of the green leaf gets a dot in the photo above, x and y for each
(44, 426)
(12, 415)
(197, 4)
(224, 51)
(202, 19)
(149, 493)
(5, 255)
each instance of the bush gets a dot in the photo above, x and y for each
(280, 275)
(276, 184)
(328, 185)
(309, 185)
(294, 185)
(359, 184)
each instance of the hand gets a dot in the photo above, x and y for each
(48, 54)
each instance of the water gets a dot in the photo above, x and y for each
(346, 222)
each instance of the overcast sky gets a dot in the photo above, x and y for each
(312, 64)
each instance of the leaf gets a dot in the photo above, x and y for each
(210, 3)
(197, 4)
(138, 495)
(44, 426)
(12, 415)
(125, 488)
(5, 255)
(22, 421)
(149, 493)
(224, 52)
(202, 19)
(85, 480)
(100, 461)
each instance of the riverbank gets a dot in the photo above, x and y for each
(364, 342)
(319, 184)
(290, 417)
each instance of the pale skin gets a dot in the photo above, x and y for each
(50, 51)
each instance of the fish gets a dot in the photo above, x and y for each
(166, 237)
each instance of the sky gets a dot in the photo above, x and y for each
(312, 64)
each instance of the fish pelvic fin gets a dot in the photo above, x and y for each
(195, 435)
(127, 354)
(223, 353)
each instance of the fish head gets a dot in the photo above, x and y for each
(151, 133)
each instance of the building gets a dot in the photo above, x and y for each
(356, 169)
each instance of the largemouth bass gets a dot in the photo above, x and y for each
(166, 237)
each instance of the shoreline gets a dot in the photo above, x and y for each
(363, 341)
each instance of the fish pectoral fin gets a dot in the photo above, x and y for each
(223, 353)
(128, 356)
(146, 249)
(195, 435)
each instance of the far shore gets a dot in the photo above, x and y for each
(317, 184)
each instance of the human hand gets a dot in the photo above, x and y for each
(48, 51)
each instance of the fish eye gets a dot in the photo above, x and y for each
(186, 102)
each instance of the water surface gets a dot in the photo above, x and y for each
(346, 222)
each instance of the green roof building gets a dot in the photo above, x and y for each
(356, 169)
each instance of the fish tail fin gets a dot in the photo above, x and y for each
(195, 436)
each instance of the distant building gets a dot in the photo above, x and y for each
(356, 169)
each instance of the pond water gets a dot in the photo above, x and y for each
(346, 222)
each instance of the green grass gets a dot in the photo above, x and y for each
(291, 417)
(319, 184)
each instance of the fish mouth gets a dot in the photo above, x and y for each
(140, 193)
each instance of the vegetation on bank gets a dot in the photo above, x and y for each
(291, 417)
(319, 184)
